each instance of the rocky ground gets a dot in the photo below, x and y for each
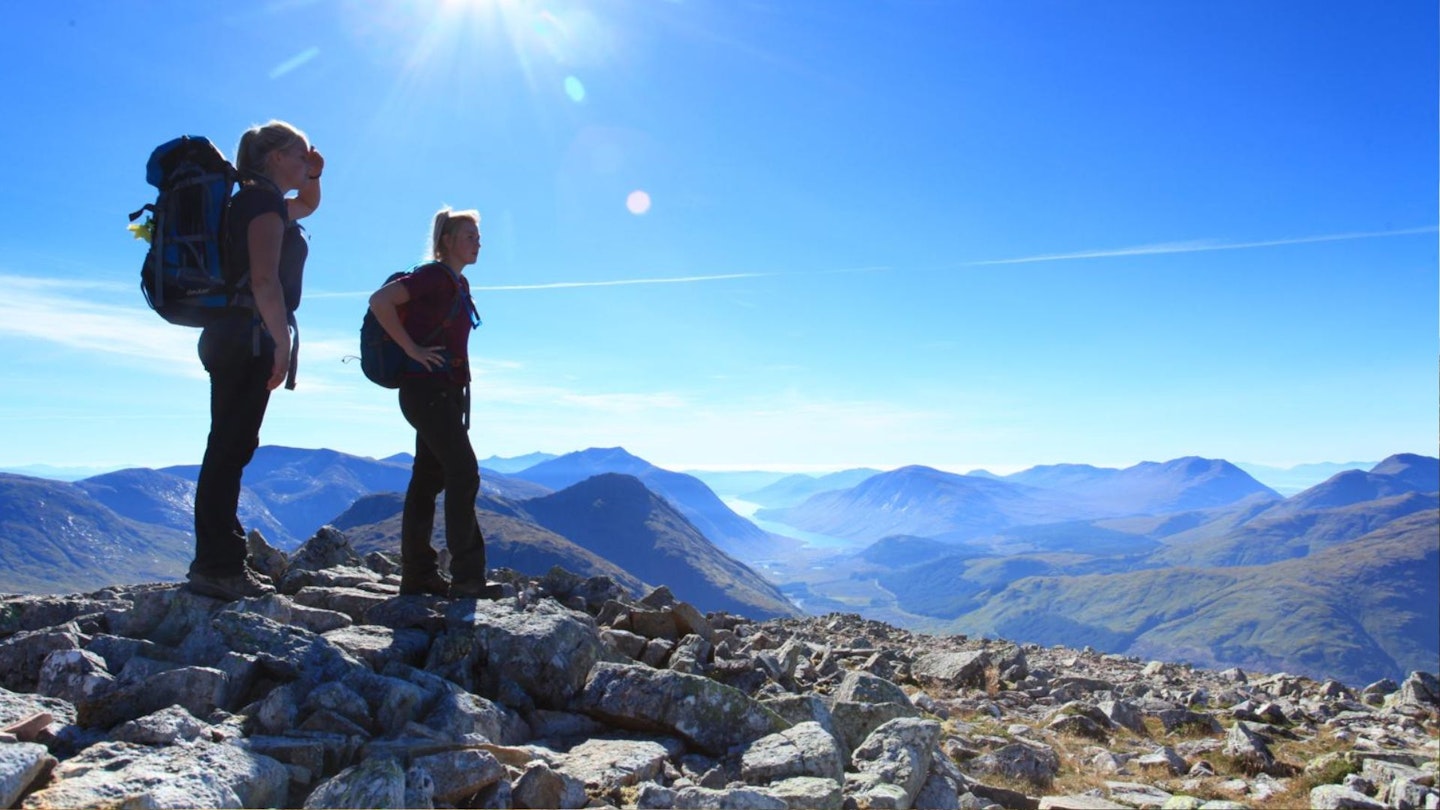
(337, 692)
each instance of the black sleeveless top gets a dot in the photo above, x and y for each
(239, 334)
(246, 206)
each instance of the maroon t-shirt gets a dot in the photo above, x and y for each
(432, 288)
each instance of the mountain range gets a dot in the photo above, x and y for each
(1343, 573)
(926, 502)
(609, 525)
(606, 525)
(302, 489)
(1186, 559)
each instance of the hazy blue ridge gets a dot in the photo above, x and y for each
(702, 507)
(926, 502)
(54, 473)
(1290, 480)
(931, 503)
(514, 464)
(736, 483)
(793, 489)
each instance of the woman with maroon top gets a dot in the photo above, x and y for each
(434, 300)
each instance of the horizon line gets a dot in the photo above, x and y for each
(778, 468)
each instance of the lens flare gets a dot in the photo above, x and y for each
(638, 202)
(575, 89)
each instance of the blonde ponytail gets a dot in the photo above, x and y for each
(259, 141)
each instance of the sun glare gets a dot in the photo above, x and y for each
(513, 58)
(501, 5)
(548, 42)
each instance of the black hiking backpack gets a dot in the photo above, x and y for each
(183, 276)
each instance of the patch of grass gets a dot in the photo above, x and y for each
(1330, 761)
(1330, 756)
(1073, 781)
(629, 795)
(1187, 731)
(1227, 766)
(1018, 785)
(1076, 774)
(984, 724)
(1329, 770)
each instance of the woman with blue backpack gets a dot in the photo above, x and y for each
(429, 314)
(249, 351)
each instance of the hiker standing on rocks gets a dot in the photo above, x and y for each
(250, 352)
(435, 399)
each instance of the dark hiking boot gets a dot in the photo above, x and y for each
(245, 585)
(477, 589)
(431, 584)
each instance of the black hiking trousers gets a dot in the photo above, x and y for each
(444, 461)
(238, 397)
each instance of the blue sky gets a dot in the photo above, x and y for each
(961, 234)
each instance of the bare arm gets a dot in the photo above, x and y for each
(304, 204)
(265, 234)
(385, 302)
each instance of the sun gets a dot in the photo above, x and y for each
(482, 62)
(439, 36)
(479, 3)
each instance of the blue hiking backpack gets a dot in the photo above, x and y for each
(183, 277)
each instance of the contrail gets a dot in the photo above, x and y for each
(1198, 247)
(620, 282)
(294, 62)
(556, 285)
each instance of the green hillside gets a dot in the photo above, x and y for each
(1358, 612)
(55, 538)
(1283, 532)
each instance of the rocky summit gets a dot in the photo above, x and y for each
(569, 692)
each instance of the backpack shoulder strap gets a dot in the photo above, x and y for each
(455, 302)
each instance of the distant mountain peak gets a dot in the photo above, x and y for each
(605, 453)
(1050, 467)
(514, 464)
(918, 471)
(1422, 472)
(614, 485)
(1396, 475)
(618, 517)
(599, 459)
